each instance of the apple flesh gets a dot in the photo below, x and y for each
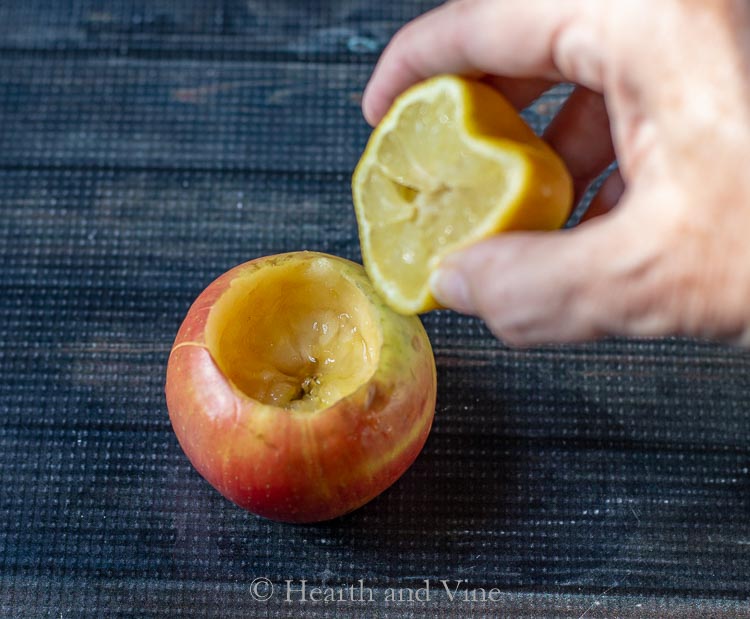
(296, 391)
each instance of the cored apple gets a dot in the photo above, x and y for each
(296, 391)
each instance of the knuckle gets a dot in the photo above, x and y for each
(402, 36)
(577, 45)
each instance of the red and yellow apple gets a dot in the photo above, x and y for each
(296, 391)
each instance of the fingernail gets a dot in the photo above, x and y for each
(450, 289)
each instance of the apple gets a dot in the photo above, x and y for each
(296, 391)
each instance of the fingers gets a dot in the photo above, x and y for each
(607, 197)
(524, 286)
(546, 287)
(580, 134)
(520, 92)
(545, 39)
(646, 269)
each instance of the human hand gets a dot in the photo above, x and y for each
(664, 248)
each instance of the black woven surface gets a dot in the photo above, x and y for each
(145, 148)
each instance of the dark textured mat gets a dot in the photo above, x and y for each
(145, 148)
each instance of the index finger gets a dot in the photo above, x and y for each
(548, 39)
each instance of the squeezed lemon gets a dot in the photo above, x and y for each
(451, 163)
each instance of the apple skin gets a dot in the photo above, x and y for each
(296, 466)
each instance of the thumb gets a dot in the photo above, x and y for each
(541, 287)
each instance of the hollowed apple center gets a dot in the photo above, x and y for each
(295, 334)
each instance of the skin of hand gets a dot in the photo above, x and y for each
(664, 87)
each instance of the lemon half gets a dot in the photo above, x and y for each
(451, 163)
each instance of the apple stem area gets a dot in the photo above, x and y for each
(296, 335)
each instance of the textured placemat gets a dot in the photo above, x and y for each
(145, 148)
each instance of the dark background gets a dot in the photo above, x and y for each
(146, 146)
